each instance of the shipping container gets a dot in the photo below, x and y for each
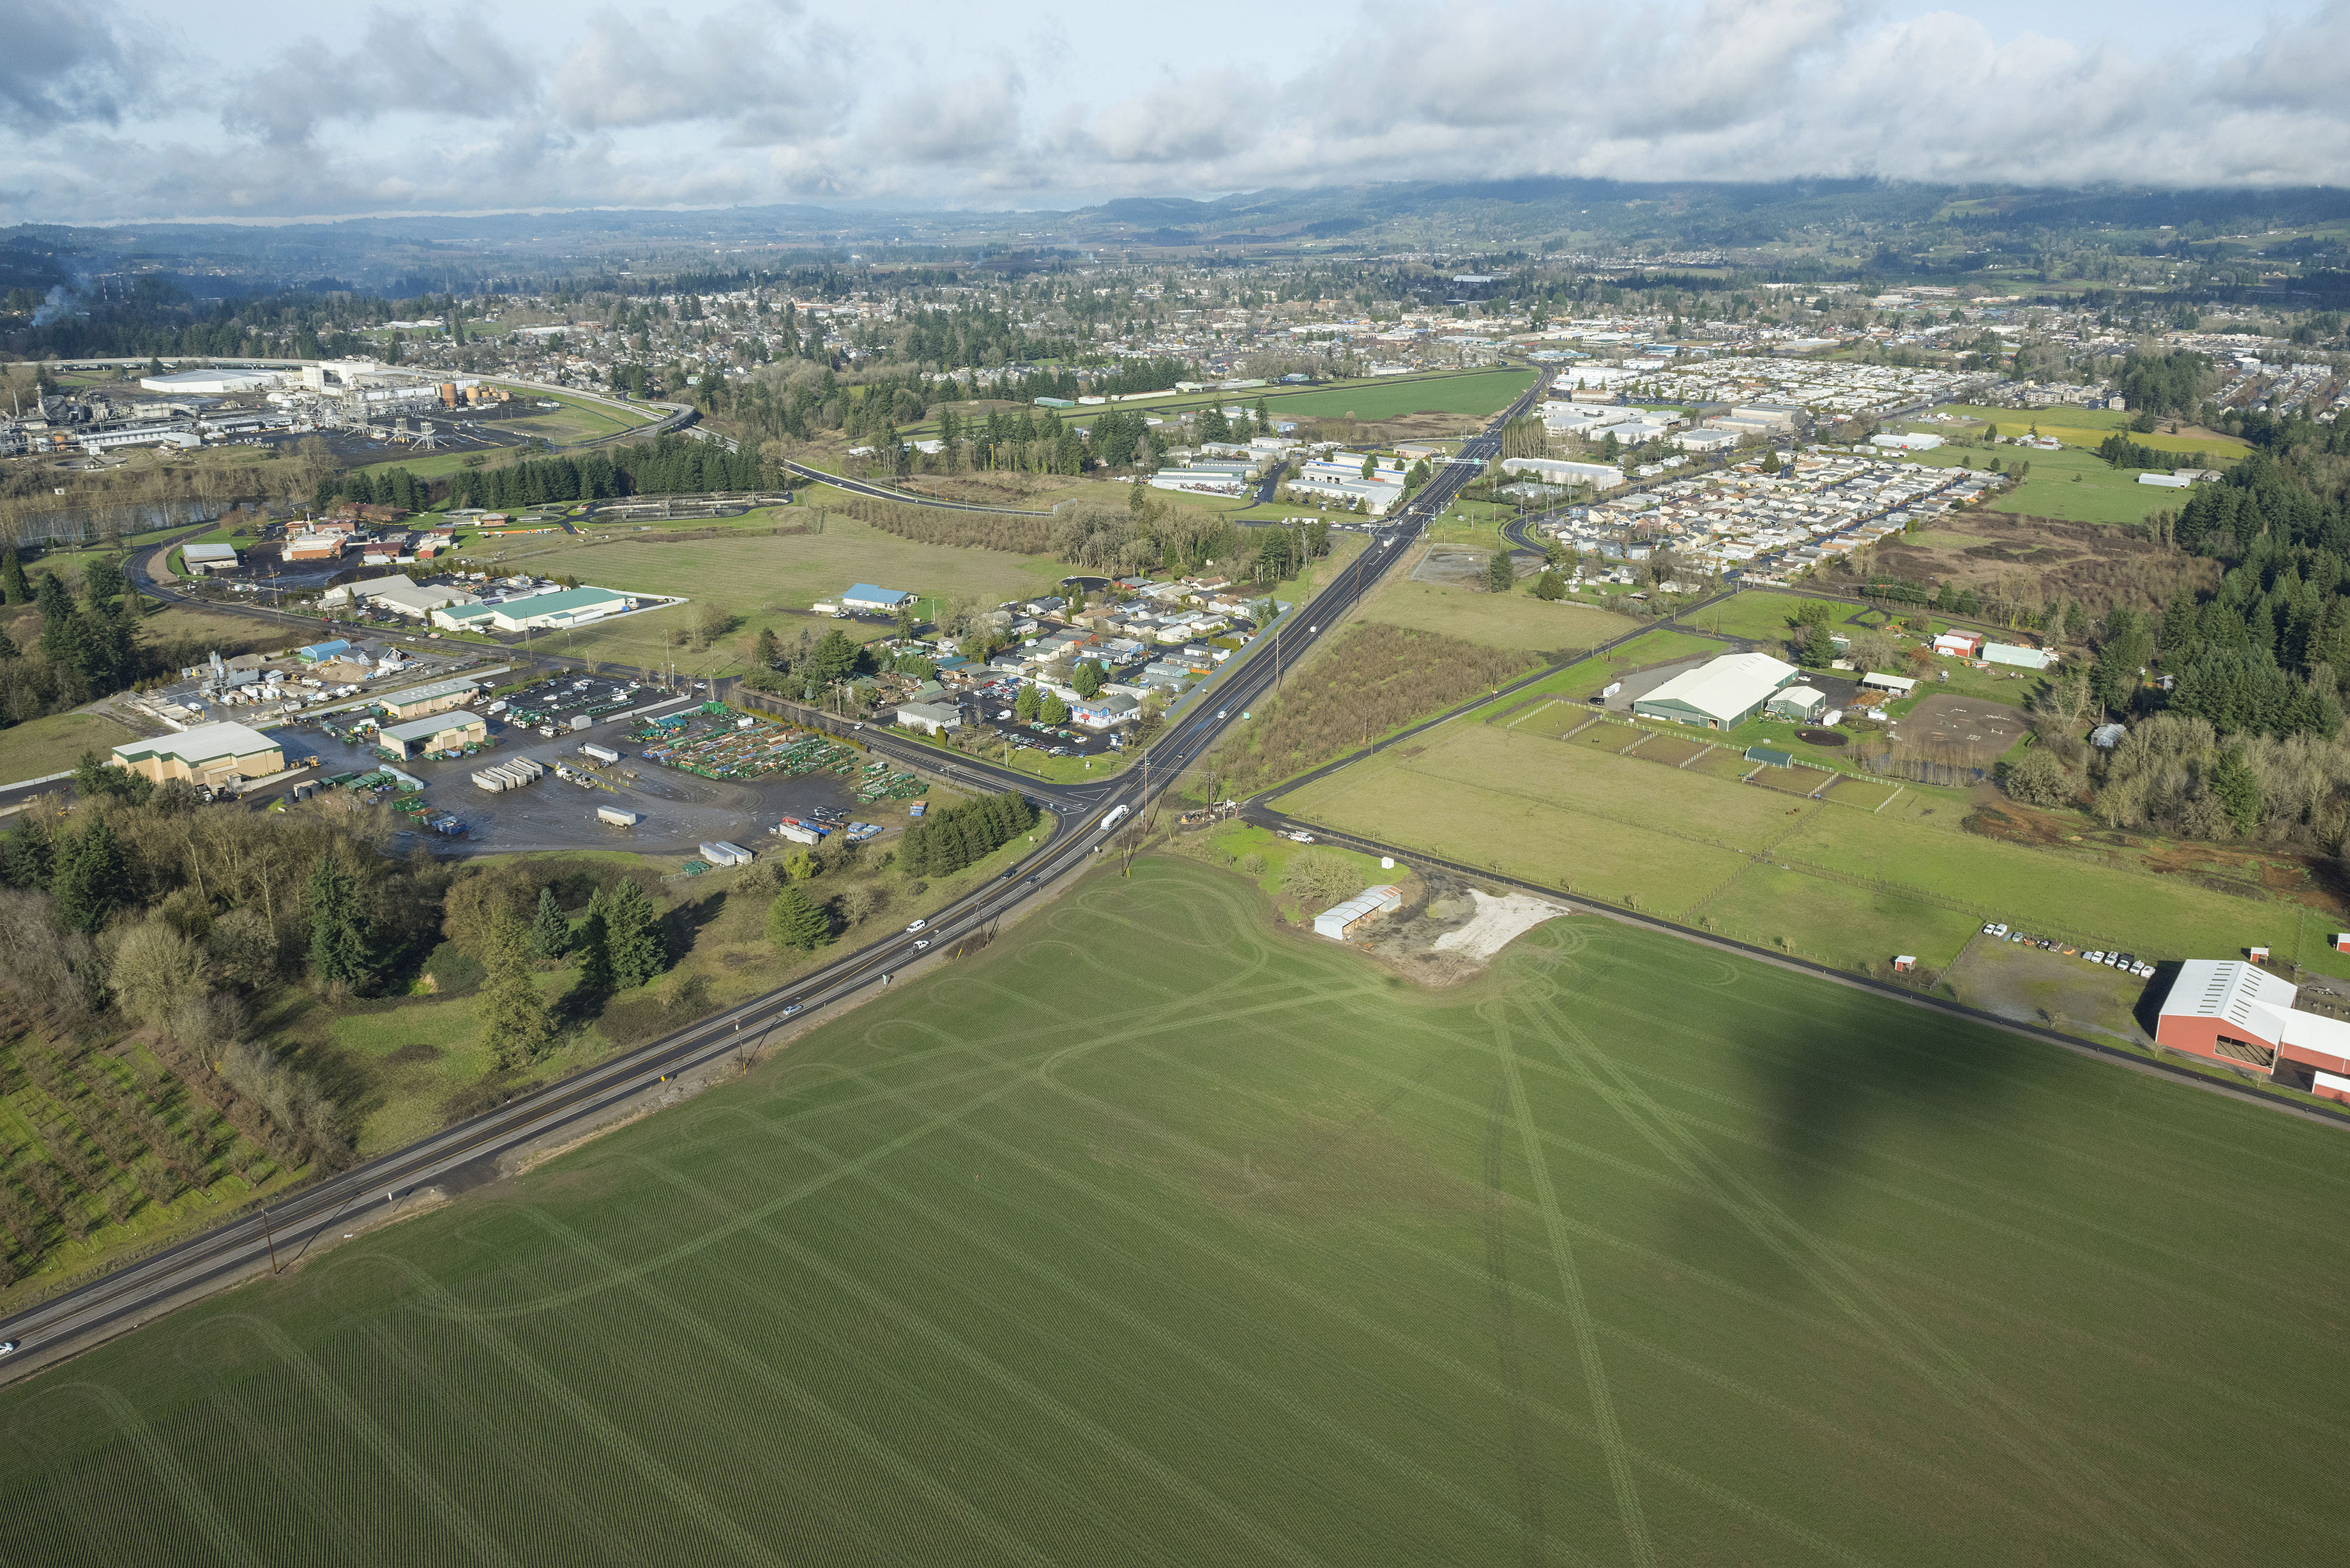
(721, 853)
(599, 754)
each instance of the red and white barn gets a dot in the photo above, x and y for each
(1959, 643)
(2241, 1014)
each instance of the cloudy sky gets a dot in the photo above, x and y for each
(256, 110)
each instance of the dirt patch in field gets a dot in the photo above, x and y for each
(1498, 922)
(2102, 565)
(2033, 985)
(1970, 730)
(1824, 737)
(1452, 566)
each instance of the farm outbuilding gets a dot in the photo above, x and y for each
(2238, 1014)
(1800, 704)
(1338, 920)
(1721, 694)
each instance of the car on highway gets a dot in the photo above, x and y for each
(920, 945)
(791, 1008)
(1011, 874)
(917, 925)
(7, 1348)
(1220, 714)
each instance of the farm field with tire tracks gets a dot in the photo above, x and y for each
(1160, 1232)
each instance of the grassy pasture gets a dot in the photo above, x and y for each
(1908, 878)
(2073, 485)
(38, 747)
(1503, 620)
(1478, 393)
(1226, 1248)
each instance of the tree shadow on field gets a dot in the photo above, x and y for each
(1838, 1077)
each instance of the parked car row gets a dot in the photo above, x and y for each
(2128, 962)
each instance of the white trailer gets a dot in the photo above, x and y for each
(594, 753)
(613, 816)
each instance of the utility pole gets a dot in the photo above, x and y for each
(269, 1237)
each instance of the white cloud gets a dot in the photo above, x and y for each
(763, 101)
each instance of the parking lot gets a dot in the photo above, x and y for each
(551, 706)
(677, 811)
(990, 709)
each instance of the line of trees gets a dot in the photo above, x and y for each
(946, 841)
(90, 646)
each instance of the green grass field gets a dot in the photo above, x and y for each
(1478, 393)
(1701, 848)
(2073, 485)
(2087, 427)
(1228, 1249)
(38, 747)
(1503, 620)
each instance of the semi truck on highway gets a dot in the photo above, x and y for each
(1116, 814)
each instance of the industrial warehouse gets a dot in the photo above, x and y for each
(208, 754)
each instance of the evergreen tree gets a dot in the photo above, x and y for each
(338, 939)
(13, 589)
(1549, 588)
(550, 932)
(27, 854)
(1500, 574)
(91, 880)
(1051, 708)
(769, 651)
(1087, 679)
(793, 922)
(1024, 705)
(515, 1021)
(59, 618)
(2237, 789)
(1818, 649)
(633, 937)
(102, 583)
(835, 658)
(593, 943)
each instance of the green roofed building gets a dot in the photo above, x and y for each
(210, 754)
(438, 732)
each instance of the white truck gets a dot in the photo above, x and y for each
(1116, 814)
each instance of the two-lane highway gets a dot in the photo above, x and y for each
(78, 1318)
